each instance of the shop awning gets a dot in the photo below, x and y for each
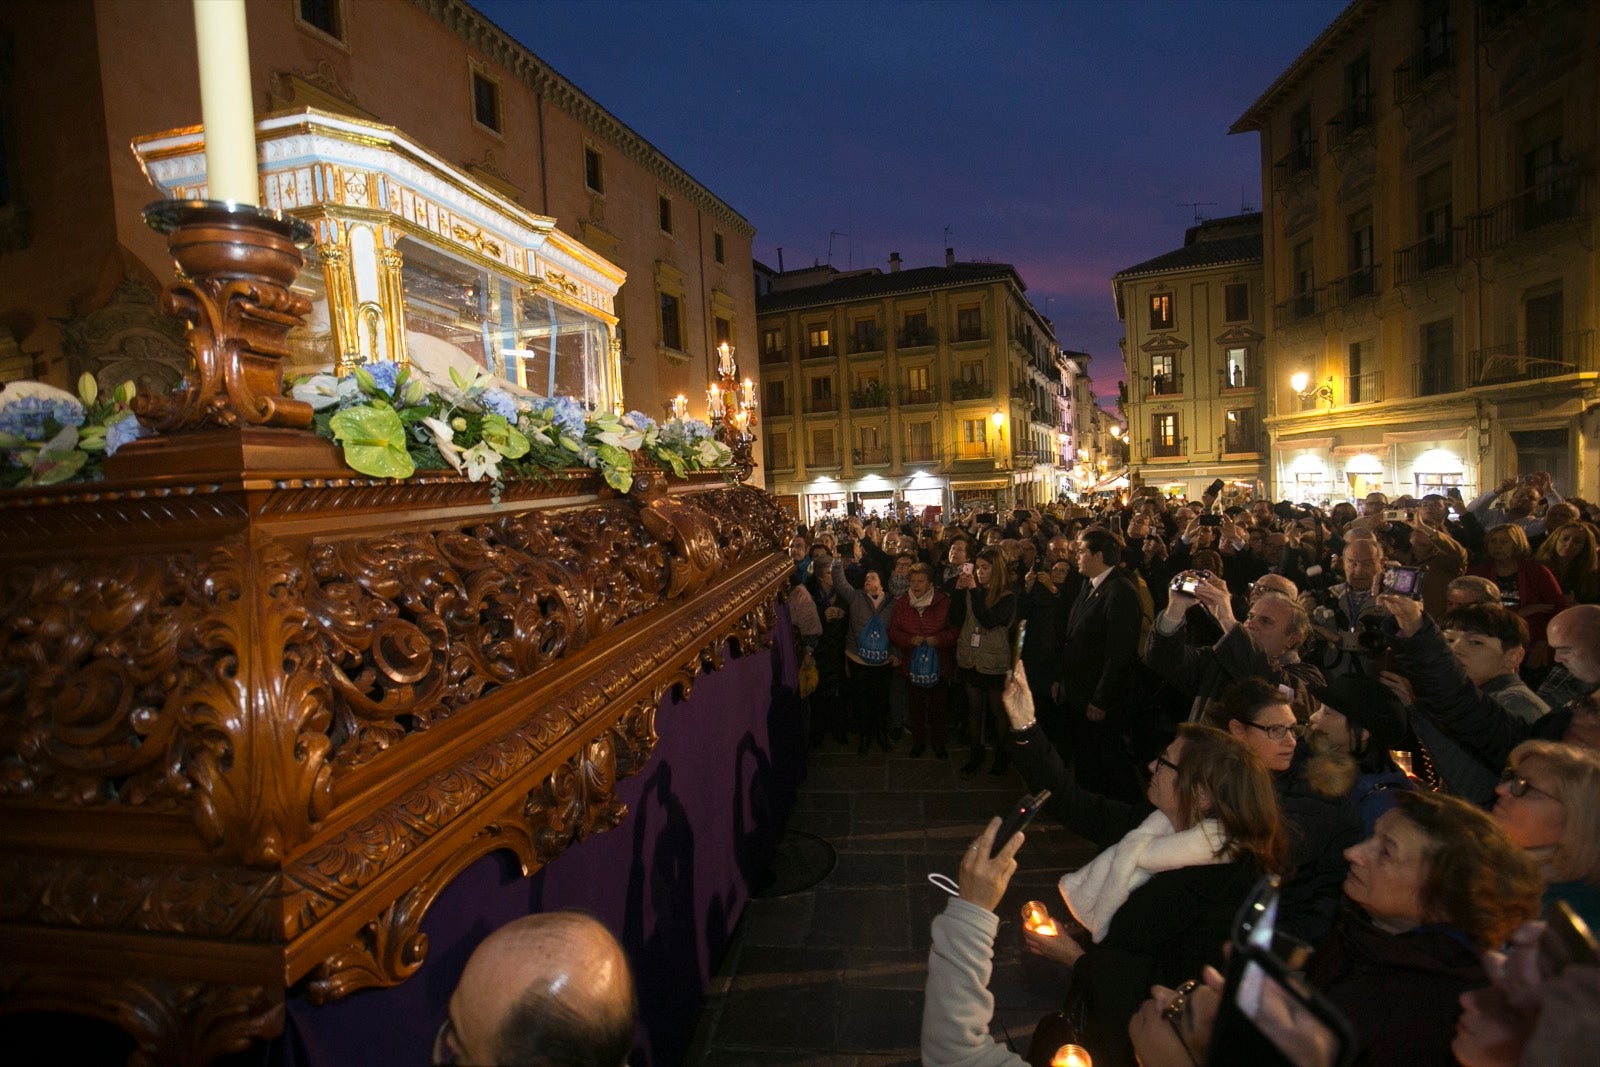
(1407, 437)
(988, 483)
(1116, 481)
(1306, 442)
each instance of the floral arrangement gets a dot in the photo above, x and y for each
(391, 421)
(48, 436)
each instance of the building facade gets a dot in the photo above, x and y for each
(1432, 253)
(935, 386)
(79, 270)
(1195, 326)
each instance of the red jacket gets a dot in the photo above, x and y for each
(1535, 585)
(932, 622)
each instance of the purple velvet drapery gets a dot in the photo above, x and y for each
(670, 881)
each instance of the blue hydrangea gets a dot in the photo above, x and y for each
(119, 433)
(385, 373)
(500, 402)
(567, 414)
(639, 421)
(697, 430)
(26, 416)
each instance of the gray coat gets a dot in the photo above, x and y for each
(860, 611)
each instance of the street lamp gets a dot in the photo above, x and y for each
(1301, 383)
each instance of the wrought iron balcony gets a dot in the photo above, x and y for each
(822, 405)
(777, 408)
(964, 389)
(1299, 162)
(926, 395)
(1559, 200)
(1432, 253)
(1363, 388)
(1357, 285)
(817, 352)
(920, 453)
(1539, 356)
(1298, 308)
(1024, 457)
(1437, 57)
(1165, 384)
(1242, 437)
(1165, 449)
(971, 333)
(1354, 117)
(776, 354)
(866, 341)
(1238, 378)
(1435, 377)
(823, 458)
(780, 461)
(869, 399)
(876, 456)
(916, 336)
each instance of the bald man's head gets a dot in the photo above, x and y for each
(550, 989)
(1574, 637)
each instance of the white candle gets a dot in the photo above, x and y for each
(224, 51)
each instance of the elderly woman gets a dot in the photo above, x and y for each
(1319, 824)
(1549, 803)
(1437, 884)
(1526, 585)
(1157, 903)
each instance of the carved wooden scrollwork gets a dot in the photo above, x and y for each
(238, 303)
(173, 1023)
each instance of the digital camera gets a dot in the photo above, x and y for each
(1188, 583)
(1404, 581)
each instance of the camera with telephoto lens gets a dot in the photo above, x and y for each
(1370, 636)
(1188, 583)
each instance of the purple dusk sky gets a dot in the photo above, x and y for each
(1064, 137)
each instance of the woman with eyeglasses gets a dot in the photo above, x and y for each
(1319, 819)
(1548, 802)
(1157, 903)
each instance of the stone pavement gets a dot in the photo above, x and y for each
(834, 975)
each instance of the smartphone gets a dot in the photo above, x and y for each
(1020, 514)
(1210, 519)
(1271, 1016)
(1566, 940)
(966, 568)
(1395, 515)
(1405, 581)
(1020, 815)
(1116, 524)
(1022, 635)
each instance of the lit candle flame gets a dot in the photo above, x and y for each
(1071, 1056)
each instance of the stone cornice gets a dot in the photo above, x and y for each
(471, 26)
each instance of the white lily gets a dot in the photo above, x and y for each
(482, 462)
(319, 390)
(444, 440)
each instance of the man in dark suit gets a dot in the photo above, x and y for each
(1099, 666)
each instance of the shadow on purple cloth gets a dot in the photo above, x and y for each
(670, 881)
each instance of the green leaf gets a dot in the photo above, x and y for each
(503, 437)
(53, 467)
(374, 441)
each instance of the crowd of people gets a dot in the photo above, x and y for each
(1392, 710)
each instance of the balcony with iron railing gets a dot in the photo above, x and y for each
(823, 457)
(1435, 377)
(1425, 67)
(918, 452)
(971, 450)
(1538, 356)
(1363, 388)
(1561, 199)
(1024, 457)
(1238, 378)
(966, 389)
(1298, 163)
(869, 399)
(920, 395)
(1166, 449)
(871, 456)
(1359, 284)
(1352, 119)
(970, 333)
(917, 336)
(1167, 384)
(1298, 308)
(777, 407)
(1242, 438)
(775, 354)
(865, 341)
(779, 460)
(817, 352)
(1434, 252)
(822, 405)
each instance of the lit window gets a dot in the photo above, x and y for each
(1161, 311)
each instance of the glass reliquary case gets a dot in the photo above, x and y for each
(418, 262)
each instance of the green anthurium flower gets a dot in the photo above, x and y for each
(374, 441)
(503, 437)
(54, 466)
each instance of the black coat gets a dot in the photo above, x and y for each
(1319, 829)
(1100, 651)
(1165, 931)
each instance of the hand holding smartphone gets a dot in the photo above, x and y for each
(1017, 819)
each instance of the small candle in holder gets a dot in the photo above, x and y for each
(1036, 917)
(748, 392)
(1402, 760)
(725, 360)
(680, 406)
(1071, 1056)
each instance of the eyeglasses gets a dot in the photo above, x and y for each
(444, 1044)
(1518, 786)
(1173, 1013)
(1162, 761)
(1279, 731)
